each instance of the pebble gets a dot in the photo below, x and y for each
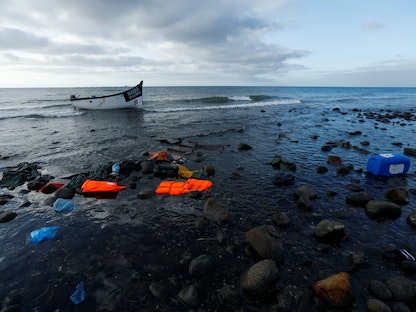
(189, 296)
(201, 265)
(329, 231)
(259, 280)
(377, 209)
(265, 242)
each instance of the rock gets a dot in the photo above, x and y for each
(259, 281)
(244, 147)
(358, 260)
(214, 211)
(410, 151)
(359, 199)
(158, 290)
(283, 165)
(335, 289)
(65, 193)
(334, 160)
(283, 179)
(380, 290)
(399, 307)
(329, 231)
(305, 190)
(409, 267)
(288, 300)
(264, 240)
(321, 169)
(201, 265)
(375, 305)
(303, 195)
(326, 148)
(147, 167)
(379, 209)
(304, 203)
(411, 218)
(355, 187)
(189, 296)
(6, 216)
(402, 288)
(398, 195)
(230, 297)
(145, 193)
(281, 219)
(343, 170)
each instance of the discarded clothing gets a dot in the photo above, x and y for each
(183, 172)
(179, 188)
(24, 172)
(92, 186)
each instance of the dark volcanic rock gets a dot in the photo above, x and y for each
(283, 179)
(398, 195)
(329, 231)
(359, 199)
(214, 211)
(260, 279)
(382, 209)
(265, 242)
(6, 216)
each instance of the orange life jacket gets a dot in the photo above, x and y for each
(92, 186)
(179, 188)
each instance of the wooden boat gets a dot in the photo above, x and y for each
(131, 98)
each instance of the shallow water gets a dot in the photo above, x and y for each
(119, 247)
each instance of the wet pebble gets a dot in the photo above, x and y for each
(6, 216)
(189, 296)
(201, 265)
(375, 305)
(216, 212)
(259, 280)
(265, 241)
(377, 209)
(329, 231)
(398, 195)
(380, 290)
(359, 199)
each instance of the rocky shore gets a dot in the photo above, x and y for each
(301, 247)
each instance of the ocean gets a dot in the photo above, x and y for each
(121, 248)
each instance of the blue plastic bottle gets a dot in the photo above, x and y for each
(42, 234)
(116, 168)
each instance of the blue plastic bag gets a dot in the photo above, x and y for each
(42, 234)
(63, 205)
(78, 295)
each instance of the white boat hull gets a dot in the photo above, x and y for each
(131, 98)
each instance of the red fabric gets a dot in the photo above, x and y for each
(56, 185)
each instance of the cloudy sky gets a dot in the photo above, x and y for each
(59, 43)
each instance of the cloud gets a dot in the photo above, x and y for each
(210, 37)
(12, 39)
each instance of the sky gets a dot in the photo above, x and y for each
(77, 43)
